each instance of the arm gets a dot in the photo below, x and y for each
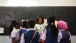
(15, 41)
(43, 36)
(22, 39)
(13, 35)
(59, 36)
(69, 41)
(70, 38)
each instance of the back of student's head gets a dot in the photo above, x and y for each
(25, 24)
(31, 23)
(51, 23)
(51, 19)
(11, 26)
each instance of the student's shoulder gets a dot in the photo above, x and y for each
(59, 34)
(43, 24)
(36, 24)
(14, 31)
(23, 30)
(37, 32)
(25, 33)
(69, 32)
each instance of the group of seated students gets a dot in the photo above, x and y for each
(29, 31)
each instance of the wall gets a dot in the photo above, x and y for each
(39, 3)
(4, 39)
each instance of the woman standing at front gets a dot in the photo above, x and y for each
(50, 33)
(39, 26)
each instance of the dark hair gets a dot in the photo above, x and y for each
(11, 26)
(16, 23)
(31, 23)
(51, 23)
(38, 19)
(25, 24)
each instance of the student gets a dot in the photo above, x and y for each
(50, 33)
(14, 37)
(64, 36)
(24, 27)
(12, 26)
(39, 26)
(31, 36)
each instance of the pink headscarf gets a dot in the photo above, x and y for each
(62, 25)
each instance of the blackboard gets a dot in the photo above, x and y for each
(7, 14)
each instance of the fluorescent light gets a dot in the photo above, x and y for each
(21, 2)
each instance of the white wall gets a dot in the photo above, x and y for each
(39, 3)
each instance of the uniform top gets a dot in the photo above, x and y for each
(14, 33)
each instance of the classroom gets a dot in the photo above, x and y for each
(23, 10)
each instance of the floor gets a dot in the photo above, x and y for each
(5, 39)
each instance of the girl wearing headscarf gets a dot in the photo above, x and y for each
(64, 35)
